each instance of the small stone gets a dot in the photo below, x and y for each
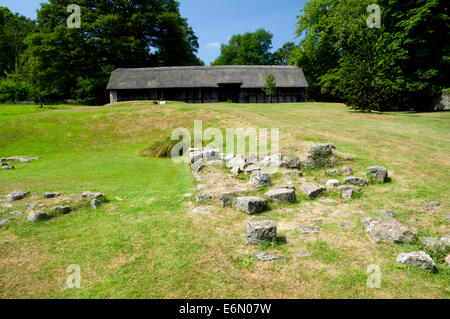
(118, 199)
(347, 194)
(3, 221)
(226, 198)
(95, 203)
(388, 230)
(431, 243)
(309, 230)
(211, 155)
(195, 156)
(258, 231)
(417, 259)
(447, 217)
(347, 170)
(432, 204)
(7, 205)
(379, 174)
(302, 253)
(99, 196)
(16, 195)
(447, 259)
(260, 179)
(332, 183)
(15, 214)
(203, 198)
(35, 216)
(197, 167)
(347, 187)
(265, 256)
(311, 190)
(250, 204)
(290, 162)
(282, 195)
(386, 212)
(353, 180)
(200, 186)
(251, 168)
(61, 209)
(51, 194)
(187, 195)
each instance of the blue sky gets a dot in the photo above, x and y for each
(215, 21)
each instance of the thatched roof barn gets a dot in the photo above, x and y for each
(207, 84)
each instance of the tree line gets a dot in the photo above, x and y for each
(47, 61)
(402, 65)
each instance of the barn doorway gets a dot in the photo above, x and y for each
(229, 92)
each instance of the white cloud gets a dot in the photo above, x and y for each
(215, 45)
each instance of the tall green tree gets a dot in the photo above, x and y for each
(251, 48)
(283, 55)
(401, 65)
(64, 62)
(13, 30)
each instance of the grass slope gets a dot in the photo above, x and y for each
(148, 246)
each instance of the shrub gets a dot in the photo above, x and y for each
(15, 91)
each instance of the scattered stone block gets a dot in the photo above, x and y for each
(250, 204)
(95, 203)
(388, 230)
(332, 172)
(265, 256)
(15, 214)
(203, 198)
(36, 216)
(251, 168)
(417, 259)
(386, 212)
(347, 194)
(197, 167)
(309, 230)
(20, 158)
(258, 231)
(3, 221)
(260, 179)
(332, 183)
(195, 156)
(378, 173)
(432, 204)
(290, 162)
(347, 170)
(347, 187)
(353, 180)
(99, 196)
(51, 194)
(302, 253)
(212, 155)
(312, 190)
(61, 210)
(282, 195)
(16, 195)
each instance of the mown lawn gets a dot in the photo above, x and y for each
(149, 246)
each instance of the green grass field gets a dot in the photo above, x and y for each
(150, 246)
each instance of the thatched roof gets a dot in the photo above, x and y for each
(251, 76)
